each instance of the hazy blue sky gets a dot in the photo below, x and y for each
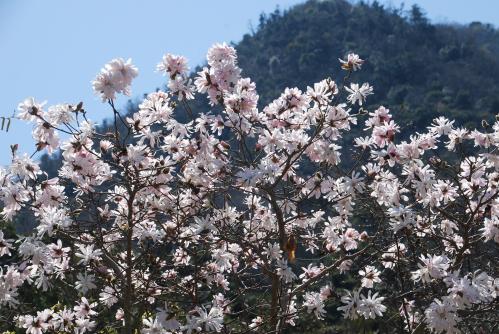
(51, 50)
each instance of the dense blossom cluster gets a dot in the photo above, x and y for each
(243, 219)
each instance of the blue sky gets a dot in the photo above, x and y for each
(51, 50)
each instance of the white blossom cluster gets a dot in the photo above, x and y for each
(245, 218)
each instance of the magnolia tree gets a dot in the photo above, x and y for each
(245, 220)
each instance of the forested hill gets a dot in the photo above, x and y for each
(419, 70)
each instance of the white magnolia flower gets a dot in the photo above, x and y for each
(371, 306)
(85, 282)
(431, 267)
(358, 94)
(370, 275)
(441, 317)
(353, 62)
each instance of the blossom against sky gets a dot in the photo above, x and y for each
(52, 50)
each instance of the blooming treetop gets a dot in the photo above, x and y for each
(246, 219)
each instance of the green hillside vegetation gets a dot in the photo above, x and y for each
(420, 70)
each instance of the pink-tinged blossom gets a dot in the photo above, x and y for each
(431, 266)
(370, 275)
(115, 77)
(393, 255)
(24, 167)
(314, 303)
(384, 134)
(379, 117)
(352, 303)
(5, 245)
(30, 110)
(85, 308)
(84, 325)
(60, 113)
(173, 65)
(221, 53)
(310, 272)
(352, 63)
(323, 92)
(490, 230)
(182, 88)
(442, 317)
(442, 126)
